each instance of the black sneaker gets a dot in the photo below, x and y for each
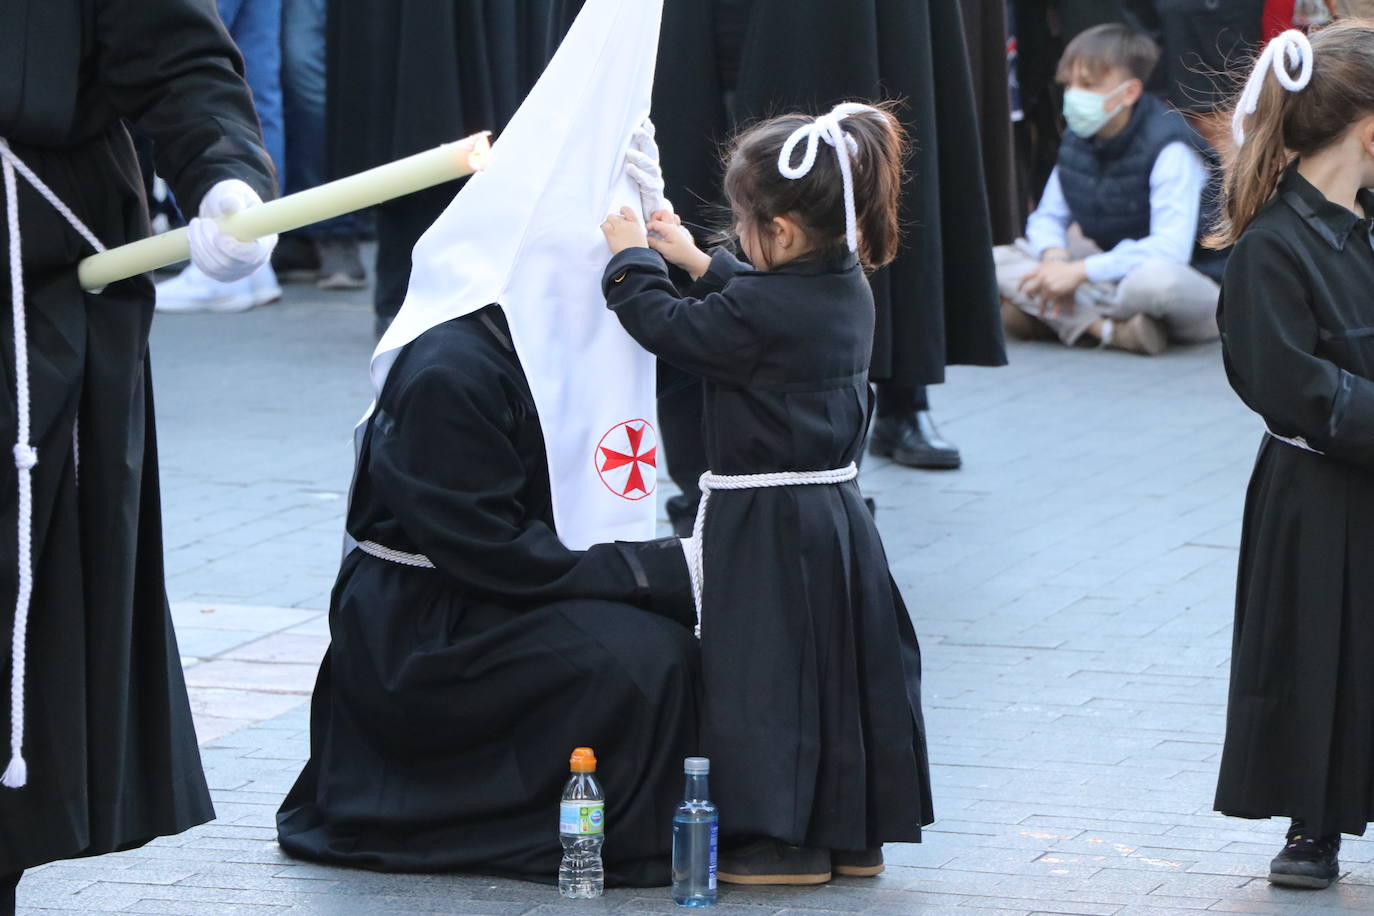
(770, 861)
(295, 259)
(862, 864)
(1306, 861)
(340, 266)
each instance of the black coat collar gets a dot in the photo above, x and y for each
(1331, 221)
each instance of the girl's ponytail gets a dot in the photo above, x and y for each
(1301, 97)
(881, 146)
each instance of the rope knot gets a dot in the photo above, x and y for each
(827, 127)
(1289, 51)
(25, 456)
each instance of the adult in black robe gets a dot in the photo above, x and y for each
(725, 63)
(451, 697)
(1295, 313)
(407, 75)
(112, 753)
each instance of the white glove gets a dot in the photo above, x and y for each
(641, 166)
(215, 252)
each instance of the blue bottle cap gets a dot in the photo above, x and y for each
(696, 766)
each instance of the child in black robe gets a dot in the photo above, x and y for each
(1296, 318)
(811, 704)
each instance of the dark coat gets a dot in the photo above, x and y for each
(450, 698)
(937, 304)
(985, 30)
(810, 668)
(1295, 316)
(407, 75)
(112, 753)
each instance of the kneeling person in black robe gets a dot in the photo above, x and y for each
(451, 695)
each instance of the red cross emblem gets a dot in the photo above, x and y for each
(627, 459)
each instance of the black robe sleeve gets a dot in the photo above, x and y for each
(169, 67)
(442, 459)
(711, 336)
(1271, 342)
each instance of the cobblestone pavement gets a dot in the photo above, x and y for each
(1072, 588)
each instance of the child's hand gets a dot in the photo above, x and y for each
(670, 239)
(622, 231)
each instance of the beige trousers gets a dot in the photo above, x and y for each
(1183, 299)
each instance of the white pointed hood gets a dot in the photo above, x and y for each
(526, 234)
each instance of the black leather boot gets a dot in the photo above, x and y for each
(913, 440)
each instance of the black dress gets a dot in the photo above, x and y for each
(1297, 326)
(450, 698)
(811, 671)
(112, 753)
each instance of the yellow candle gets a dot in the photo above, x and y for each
(356, 192)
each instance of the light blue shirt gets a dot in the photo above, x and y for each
(1176, 184)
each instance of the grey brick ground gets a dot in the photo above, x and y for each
(1072, 587)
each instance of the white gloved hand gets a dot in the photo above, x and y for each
(642, 167)
(215, 252)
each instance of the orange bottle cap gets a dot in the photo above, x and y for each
(583, 760)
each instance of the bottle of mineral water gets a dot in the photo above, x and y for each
(694, 839)
(582, 827)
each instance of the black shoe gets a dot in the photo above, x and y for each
(340, 266)
(914, 441)
(1306, 861)
(862, 864)
(871, 506)
(770, 861)
(295, 259)
(682, 514)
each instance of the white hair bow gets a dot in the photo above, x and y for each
(827, 127)
(1290, 50)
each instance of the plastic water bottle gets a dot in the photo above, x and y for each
(694, 839)
(582, 827)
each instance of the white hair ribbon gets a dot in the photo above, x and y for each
(827, 127)
(1289, 51)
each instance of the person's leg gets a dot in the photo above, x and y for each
(1020, 315)
(905, 432)
(256, 29)
(1183, 299)
(400, 223)
(326, 253)
(8, 883)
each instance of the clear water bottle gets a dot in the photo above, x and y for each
(582, 827)
(694, 839)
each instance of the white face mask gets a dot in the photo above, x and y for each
(1086, 111)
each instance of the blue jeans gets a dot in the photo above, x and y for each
(255, 26)
(303, 88)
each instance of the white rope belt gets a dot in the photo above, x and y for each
(1295, 441)
(373, 549)
(709, 482)
(16, 773)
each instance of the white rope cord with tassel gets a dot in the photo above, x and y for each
(16, 774)
(827, 127)
(710, 481)
(1290, 50)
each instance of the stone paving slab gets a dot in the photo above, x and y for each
(1072, 587)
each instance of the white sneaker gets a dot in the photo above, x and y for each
(193, 291)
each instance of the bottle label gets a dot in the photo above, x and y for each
(582, 817)
(711, 873)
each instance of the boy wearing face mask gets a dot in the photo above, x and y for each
(1111, 254)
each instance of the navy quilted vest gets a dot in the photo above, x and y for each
(1107, 182)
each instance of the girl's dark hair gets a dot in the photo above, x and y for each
(1287, 125)
(759, 192)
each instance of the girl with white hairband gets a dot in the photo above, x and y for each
(811, 707)
(1297, 323)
